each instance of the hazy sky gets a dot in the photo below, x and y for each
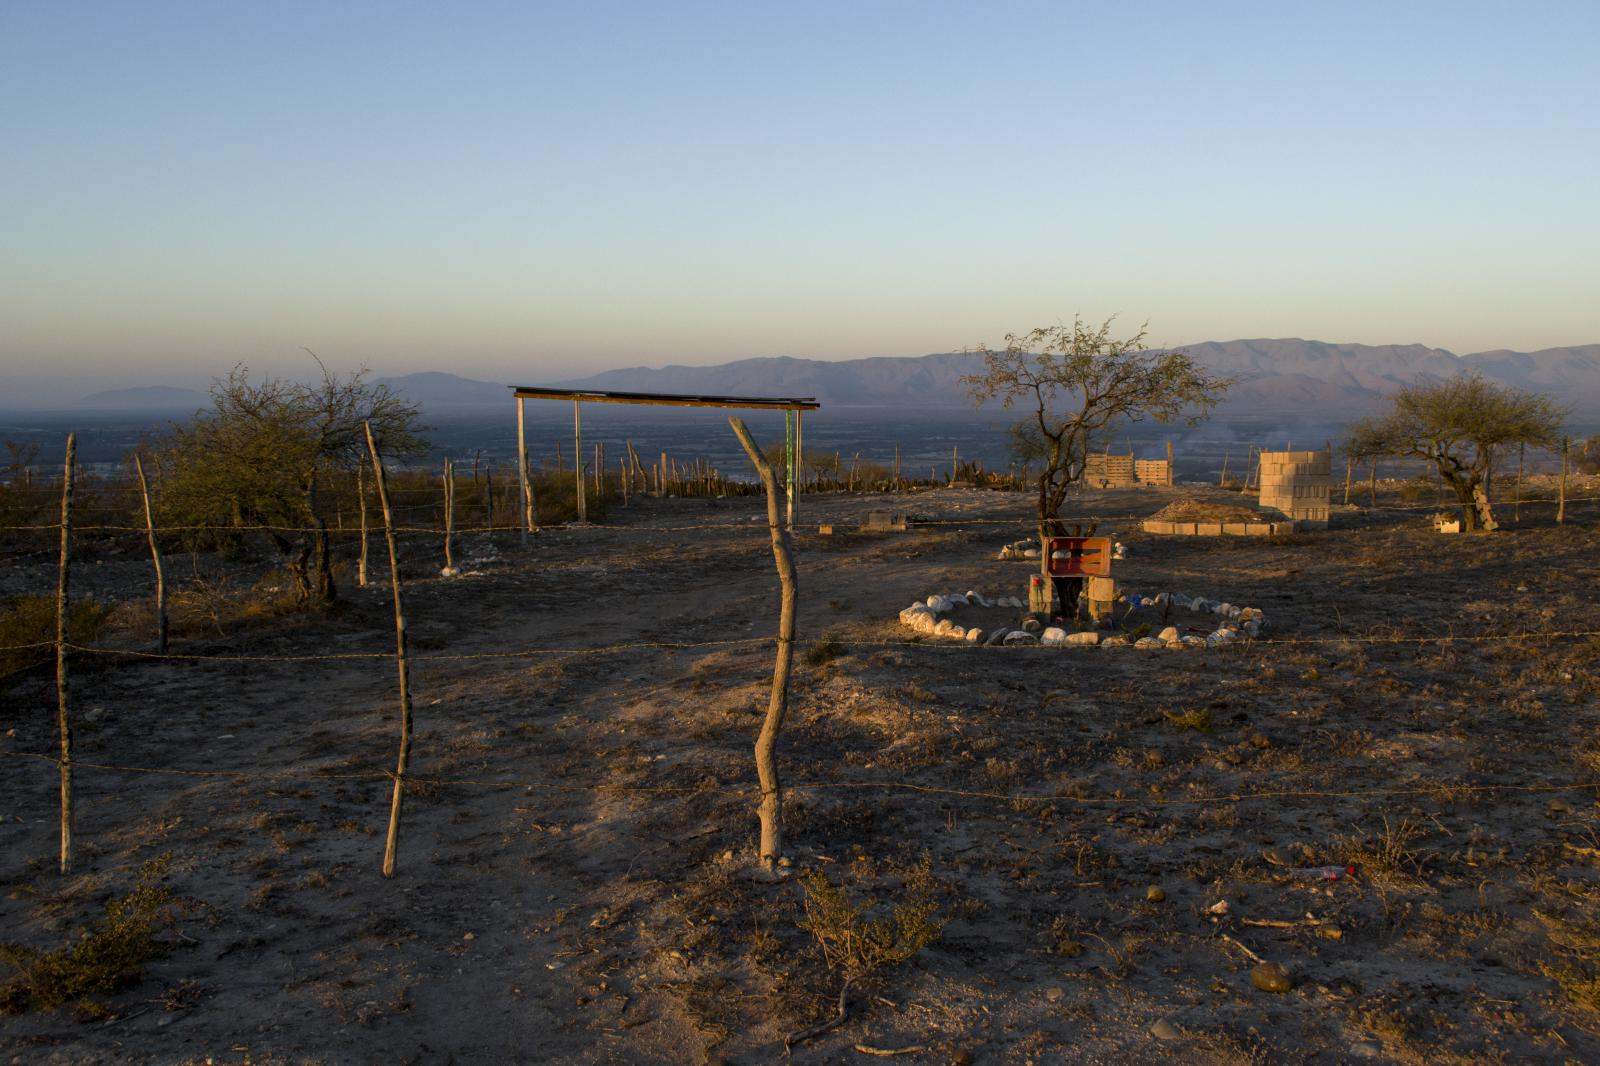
(532, 191)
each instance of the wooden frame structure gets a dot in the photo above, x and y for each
(792, 407)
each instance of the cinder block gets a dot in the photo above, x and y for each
(1258, 529)
(1153, 526)
(1208, 529)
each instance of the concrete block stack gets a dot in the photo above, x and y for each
(1297, 484)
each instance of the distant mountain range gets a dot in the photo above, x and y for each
(1272, 377)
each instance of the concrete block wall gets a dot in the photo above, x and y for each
(1297, 484)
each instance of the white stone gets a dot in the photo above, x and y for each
(909, 615)
(1088, 638)
(1149, 642)
(1191, 641)
(932, 602)
(924, 623)
(1114, 642)
(1031, 553)
(1053, 637)
(956, 633)
(1168, 635)
(943, 627)
(955, 599)
(1017, 636)
(974, 635)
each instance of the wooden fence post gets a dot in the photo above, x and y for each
(1372, 482)
(1561, 486)
(449, 515)
(155, 558)
(771, 808)
(361, 497)
(392, 840)
(522, 472)
(63, 719)
(1349, 473)
(1516, 505)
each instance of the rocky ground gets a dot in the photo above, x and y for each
(1107, 838)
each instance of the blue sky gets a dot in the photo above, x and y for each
(532, 191)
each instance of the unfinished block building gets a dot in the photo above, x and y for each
(1297, 485)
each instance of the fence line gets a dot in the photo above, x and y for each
(1025, 521)
(375, 775)
(904, 644)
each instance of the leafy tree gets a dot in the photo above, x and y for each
(1456, 425)
(267, 454)
(1078, 383)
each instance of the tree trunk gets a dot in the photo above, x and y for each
(63, 634)
(771, 808)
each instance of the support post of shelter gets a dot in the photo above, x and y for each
(522, 471)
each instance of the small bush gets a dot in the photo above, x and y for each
(860, 937)
(1196, 718)
(110, 954)
(825, 650)
(32, 620)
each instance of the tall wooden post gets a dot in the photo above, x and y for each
(770, 810)
(799, 457)
(577, 460)
(63, 718)
(897, 468)
(1372, 482)
(522, 472)
(1349, 474)
(1516, 506)
(155, 559)
(361, 500)
(449, 515)
(788, 458)
(1561, 487)
(392, 840)
(1169, 461)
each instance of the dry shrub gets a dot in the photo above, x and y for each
(110, 954)
(862, 937)
(31, 620)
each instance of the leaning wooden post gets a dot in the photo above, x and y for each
(1561, 487)
(449, 515)
(771, 808)
(155, 558)
(63, 721)
(788, 460)
(1349, 474)
(392, 841)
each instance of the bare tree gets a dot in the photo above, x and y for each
(1456, 425)
(1078, 383)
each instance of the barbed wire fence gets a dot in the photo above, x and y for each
(64, 648)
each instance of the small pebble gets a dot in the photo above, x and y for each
(1155, 894)
(962, 1057)
(1330, 932)
(1271, 977)
(1054, 993)
(1165, 1030)
(469, 936)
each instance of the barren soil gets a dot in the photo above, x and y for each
(576, 875)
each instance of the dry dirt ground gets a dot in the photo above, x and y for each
(575, 876)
